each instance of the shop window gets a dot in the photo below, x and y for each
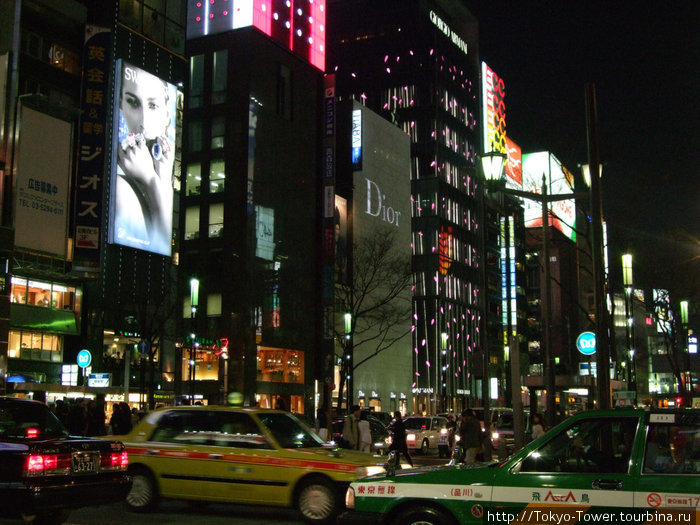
(217, 176)
(38, 293)
(218, 131)
(34, 346)
(193, 183)
(216, 219)
(192, 223)
(277, 365)
(18, 291)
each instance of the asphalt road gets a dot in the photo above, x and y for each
(178, 512)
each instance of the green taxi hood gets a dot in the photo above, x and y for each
(479, 473)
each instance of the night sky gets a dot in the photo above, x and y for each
(644, 59)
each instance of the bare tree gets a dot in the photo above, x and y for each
(378, 301)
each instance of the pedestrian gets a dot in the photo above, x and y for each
(95, 419)
(451, 431)
(539, 427)
(125, 418)
(115, 420)
(77, 418)
(364, 433)
(470, 435)
(322, 423)
(351, 432)
(398, 438)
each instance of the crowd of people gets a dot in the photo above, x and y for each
(88, 417)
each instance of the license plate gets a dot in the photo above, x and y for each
(83, 463)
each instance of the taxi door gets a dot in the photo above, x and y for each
(670, 471)
(583, 467)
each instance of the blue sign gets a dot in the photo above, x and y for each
(144, 346)
(586, 343)
(84, 358)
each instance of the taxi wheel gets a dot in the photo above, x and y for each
(317, 500)
(425, 447)
(143, 496)
(422, 516)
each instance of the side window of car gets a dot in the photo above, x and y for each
(593, 445)
(235, 429)
(170, 426)
(672, 449)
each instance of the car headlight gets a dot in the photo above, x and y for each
(371, 470)
(410, 437)
(350, 498)
(457, 438)
(388, 440)
(443, 431)
(494, 435)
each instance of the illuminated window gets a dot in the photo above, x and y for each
(278, 365)
(218, 131)
(216, 219)
(217, 176)
(192, 223)
(213, 305)
(194, 179)
(35, 346)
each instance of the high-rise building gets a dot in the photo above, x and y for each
(249, 202)
(416, 64)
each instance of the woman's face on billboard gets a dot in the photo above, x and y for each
(144, 103)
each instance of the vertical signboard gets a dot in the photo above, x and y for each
(494, 110)
(89, 185)
(357, 139)
(43, 178)
(143, 160)
(514, 166)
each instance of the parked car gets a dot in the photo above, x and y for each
(45, 473)
(427, 433)
(239, 455)
(594, 466)
(503, 432)
(384, 417)
(380, 434)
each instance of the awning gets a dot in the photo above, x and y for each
(43, 319)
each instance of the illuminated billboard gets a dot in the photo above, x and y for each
(514, 166)
(143, 158)
(559, 180)
(299, 26)
(494, 110)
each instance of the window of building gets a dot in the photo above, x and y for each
(196, 81)
(216, 219)
(35, 346)
(50, 52)
(218, 131)
(38, 293)
(194, 134)
(193, 183)
(217, 176)
(219, 76)
(284, 92)
(213, 304)
(69, 375)
(192, 223)
(162, 21)
(279, 365)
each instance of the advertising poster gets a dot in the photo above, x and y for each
(143, 157)
(43, 175)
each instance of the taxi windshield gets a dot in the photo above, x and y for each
(289, 432)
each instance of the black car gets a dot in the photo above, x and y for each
(44, 472)
(380, 434)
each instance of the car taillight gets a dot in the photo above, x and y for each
(32, 433)
(47, 464)
(114, 461)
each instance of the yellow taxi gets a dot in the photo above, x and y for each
(239, 455)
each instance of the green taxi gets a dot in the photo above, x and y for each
(239, 455)
(619, 466)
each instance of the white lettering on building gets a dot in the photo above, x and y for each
(442, 26)
(376, 205)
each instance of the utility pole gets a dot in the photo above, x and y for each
(601, 311)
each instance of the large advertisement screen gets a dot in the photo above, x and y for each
(143, 158)
(43, 175)
(562, 214)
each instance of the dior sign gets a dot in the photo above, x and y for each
(377, 206)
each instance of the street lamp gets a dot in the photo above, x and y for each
(348, 364)
(629, 322)
(194, 302)
(686, 351)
